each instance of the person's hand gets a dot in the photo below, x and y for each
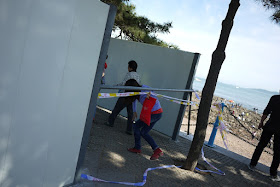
(134, 116)
(260, 125)
(148, 95)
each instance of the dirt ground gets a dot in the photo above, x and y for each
(234, 143)
(242, 125)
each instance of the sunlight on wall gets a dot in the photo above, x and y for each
(4, 173)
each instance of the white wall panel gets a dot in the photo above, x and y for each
(14, 19)
(158, 67)
(49, 52)
(75, 91)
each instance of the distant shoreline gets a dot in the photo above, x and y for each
(242, 123)
(249, 98)
(257, 89)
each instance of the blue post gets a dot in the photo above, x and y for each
(214, 131)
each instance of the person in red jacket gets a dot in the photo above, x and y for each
(150, 114)
(103, 73)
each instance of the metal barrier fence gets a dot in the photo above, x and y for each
(154, 89)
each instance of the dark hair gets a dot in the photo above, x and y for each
(131, 82)
(133, 65)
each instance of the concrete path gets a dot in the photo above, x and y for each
(107, 158)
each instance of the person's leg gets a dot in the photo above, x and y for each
(103, 80)
(137, 133)
(265, 137)
(117, 109)
(129, 119)
(276, 155)
(146, 129)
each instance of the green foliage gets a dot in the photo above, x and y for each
(130, 26)
(275, 5)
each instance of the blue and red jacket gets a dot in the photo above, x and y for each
(156, 108)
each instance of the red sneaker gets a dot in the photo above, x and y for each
(133, 150)
(157, 153)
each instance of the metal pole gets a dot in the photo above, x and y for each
(189, 120)
(182, 109)
(95, 89)
(214, 131)
(141, 88)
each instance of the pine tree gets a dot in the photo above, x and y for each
(130, 26)
(275, 5)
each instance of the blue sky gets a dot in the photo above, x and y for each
(253, 47)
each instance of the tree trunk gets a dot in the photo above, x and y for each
(218, 58)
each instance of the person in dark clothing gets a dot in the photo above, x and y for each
(272, 127)
(121, 104)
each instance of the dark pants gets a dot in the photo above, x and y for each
(265, 138)
(142, 129)
(120, 105)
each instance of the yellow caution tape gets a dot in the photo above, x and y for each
(127, 94)
(221, 126)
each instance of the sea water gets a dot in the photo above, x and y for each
(248, 97)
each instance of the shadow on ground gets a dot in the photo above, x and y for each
(107, 158)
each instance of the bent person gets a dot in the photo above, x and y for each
(150, 114)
